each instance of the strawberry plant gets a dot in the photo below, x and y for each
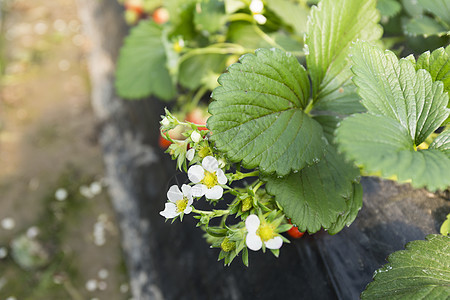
(415, 25)
(291, 132)
(181, 56)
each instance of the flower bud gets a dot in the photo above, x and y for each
(227, 245)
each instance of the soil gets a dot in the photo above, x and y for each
(47, 144)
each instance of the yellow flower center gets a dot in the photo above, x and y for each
(265, 232)
(177, 47)
(204, 152)
(210, 179)
(181, 204)
(227, 245)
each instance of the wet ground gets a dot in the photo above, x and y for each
(58, 236)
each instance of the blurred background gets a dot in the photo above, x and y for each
(58, 233)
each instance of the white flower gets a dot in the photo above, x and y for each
(259, 233)
(190, 154)
(179, 202)
(165, 122)
(256, 6)
(195, 136)
(61, 194)
(208, 178)
(260, 19)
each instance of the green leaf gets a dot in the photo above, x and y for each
(194, 71)
(209, 15)
(438, 64)
(425, 26)
(182, 18)
(332, 27)
(292, 13)
(287, 41)
(244, 34)
(344, 100)
(354, 204)
(320, 195)
(412, 7)
(422, 271)
(442, 143)
(381, 144)
(329, 124)
(440, 8)
(232, 6)
(141, 68)
(394, 89)
(258, 118)
(389, 8)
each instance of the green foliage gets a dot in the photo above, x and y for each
(422, 271)
(263, 117)
(291, 12)
(380, 144)
(332, 27)
(412, 8)
(440, 8)
(437, 64)
(442, 143)
(209, 15)
(404, 108)
(425, 26)
(142, 54)
(258, 114)
(321, 195)
(389, 8)
(328, 48)
(421, 24)
(199, 40)
(196, 70)
(394, 89)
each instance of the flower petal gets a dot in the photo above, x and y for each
(190, 154)
(187, 210)
(274, 243)
(210, 164)
(252, 223)
(199, 190)
(214, 193)
(253, 241)
(196, 173)
(170, 211)
(195, 136)
(187, 190)
(174, 194)
(221, 178)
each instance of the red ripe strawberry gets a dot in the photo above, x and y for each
(160, 15)
(294, 232)
(163, 143)
(135, 6)
(198, 117)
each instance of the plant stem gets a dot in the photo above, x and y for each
(239, 175)
(213, 214)
(198, 95)
(257, 186)
(309, 107)
(267, 38)
(231, 49)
